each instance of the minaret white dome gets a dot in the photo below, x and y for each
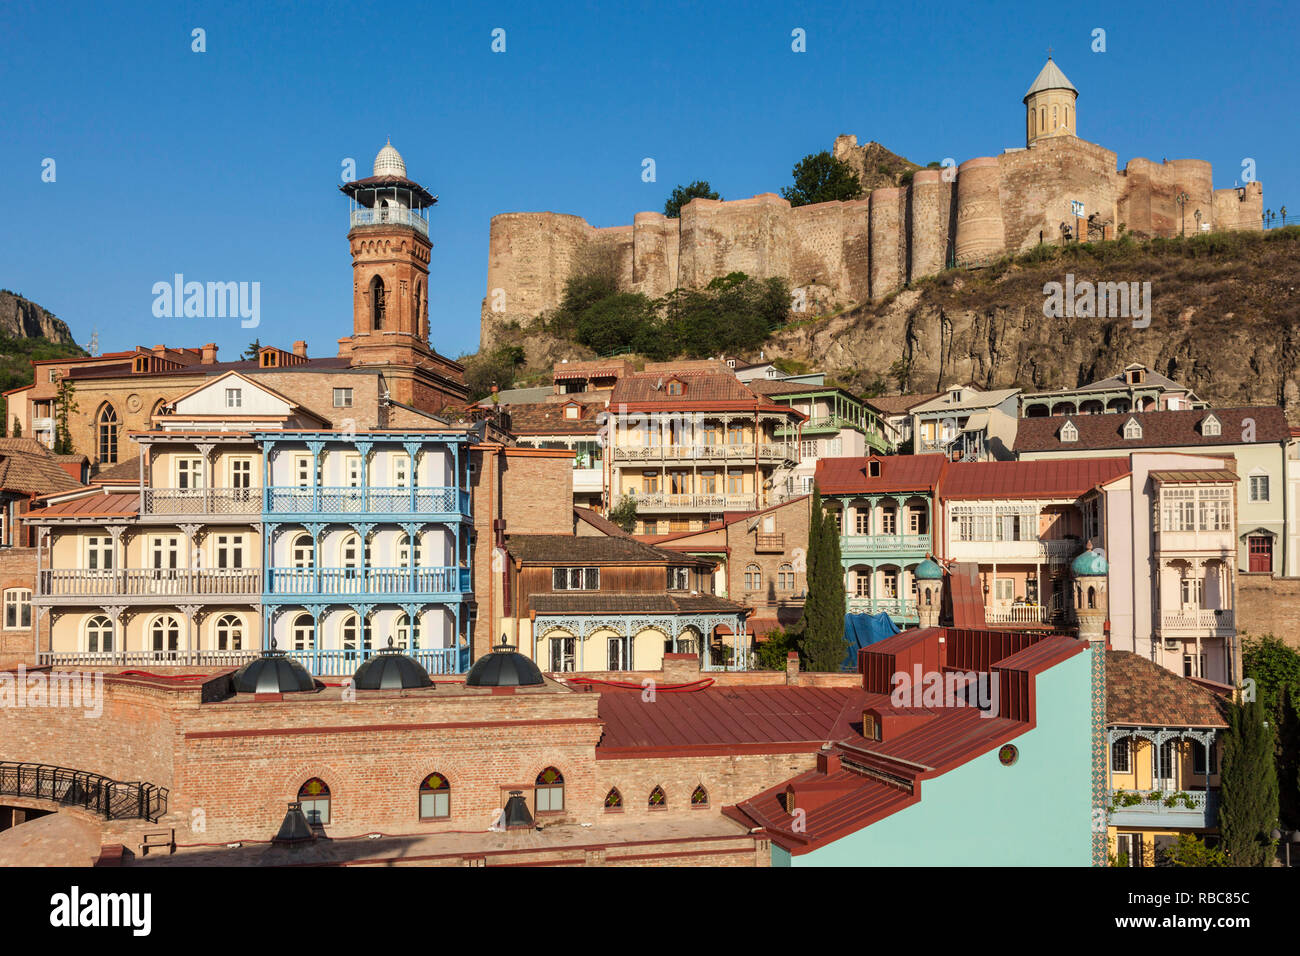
(389, 162)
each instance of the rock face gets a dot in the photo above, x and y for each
(1226, 324)
(877, 167)
(23, 319)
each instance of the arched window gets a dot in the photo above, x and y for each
(99, 634)
(165, 633)
(303, 632)
(157, 409)
(1092, 598)
(658, 799)
(314, 795)
(348, 633)
(700, 797)
(106, 428)
(17, 609)
(303, 551)
(753, 578)
(550, 791)
(404, 551)
(785, 577)
(404, 636)
(230, 633)
(613, 799)
(435, 797)
(377, 304)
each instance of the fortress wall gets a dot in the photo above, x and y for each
(1148, 192)
(654, 253)
(530, 255)
(753, 236)
(855, 251)
(609, 249)
(888, 243)
(931, 205)
(1038, 185)
(979, 210)
(1232, 211)
(818, 256)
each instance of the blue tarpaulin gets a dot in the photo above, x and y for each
(861, 630)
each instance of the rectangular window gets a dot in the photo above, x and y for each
(890, 584)
(650, 482)
(189, 474)
(1004, 590)
(679, 483)
(1259, 487)
(1121, 756)
(1178, 509)
(862, 584)
(234, 398)
(230, 550)
(735, 483)
(735, 434)
(302, 471)
(342, 398)
(1193, 591)
(241, 473)
(575, 579)
(889, 521)
(918, 520)
(164, 553)
(1198, 759)
(808, 449)
(679, 579)
(99, 553)
(352, 466)
(1214, 509)
(862, 521)
(708, 482)
(435, 806)
(18, 608)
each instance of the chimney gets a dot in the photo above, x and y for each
(300, 348)
(160, 350)
(210, 354)
(827, 760)
(681, 668)
(792, 667)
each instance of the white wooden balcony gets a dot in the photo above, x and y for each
(1018, 614)
(177, 502)
(1197, 622)
(145, 585)
(745, 451)
(662, 502)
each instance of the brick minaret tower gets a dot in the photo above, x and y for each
(1091, 598)
(389, 241)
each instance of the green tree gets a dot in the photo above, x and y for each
(820, 177)
(700, 189)
(67, 403)
(615, 322)
(1190, 851)
(254, 347)
(1248, 785)
(772, 652)
(822, 642)
(1274, 666)
(623, 514)
(498, 368)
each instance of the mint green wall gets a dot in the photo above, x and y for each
(1035, 813)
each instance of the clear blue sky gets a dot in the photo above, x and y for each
(224, 165)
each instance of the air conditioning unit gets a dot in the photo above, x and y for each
(1172, 645)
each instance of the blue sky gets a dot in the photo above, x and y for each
(224, 165)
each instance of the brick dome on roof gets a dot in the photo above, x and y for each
(389, 162)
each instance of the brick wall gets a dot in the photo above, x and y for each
(18, 570)
(1268, 605)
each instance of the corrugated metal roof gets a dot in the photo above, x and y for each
(1194, 475)
(848, 476)
(1058, 478)
(90, 506)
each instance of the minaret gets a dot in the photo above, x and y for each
(1091, 601)
(929, 592)
(389, 239)
(1049, 105)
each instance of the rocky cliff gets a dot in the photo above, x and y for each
(23, 319)
(1224, 320)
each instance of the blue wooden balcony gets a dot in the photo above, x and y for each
(344, 663)
(348, 585)
(882, 545)
(335, 503)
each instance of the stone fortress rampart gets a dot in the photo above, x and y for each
(863, 249)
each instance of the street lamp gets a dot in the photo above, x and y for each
(1181, 199)
(1290, 836)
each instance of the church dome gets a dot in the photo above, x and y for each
(390, 669)
(928, 570)
(1090, 564)
(389, 162)
(504, 667)
(272, 673)
(1050, 77)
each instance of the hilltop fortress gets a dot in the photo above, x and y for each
(863, 249)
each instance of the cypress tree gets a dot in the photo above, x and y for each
(822, 640)
(1248, 785)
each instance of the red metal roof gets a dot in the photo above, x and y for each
(1058, 478)
(850, 476)
(757, 719)
(90, 506)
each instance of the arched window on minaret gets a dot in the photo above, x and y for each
(377, 304)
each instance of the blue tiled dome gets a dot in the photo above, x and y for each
(928, 570)
(1090, 564)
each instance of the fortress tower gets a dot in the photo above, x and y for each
(389, 241)
(1049, 105)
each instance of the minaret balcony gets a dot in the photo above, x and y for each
(390, 216)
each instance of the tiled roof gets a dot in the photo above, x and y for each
(244, 366)
(599, 522)
(1159, 429)
(900, 404)
(701, 386)
(847, 476)
(631, 602)
(730, 717)
(124, 472)
(568, 549)
(1058, 478)
(28, 467)
(1140, 692)
(547, 418)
